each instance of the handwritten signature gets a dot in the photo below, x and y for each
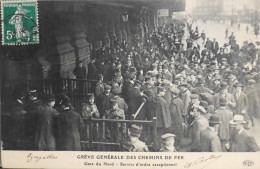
(201, 160)
(36, 158)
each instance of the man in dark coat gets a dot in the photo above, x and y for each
(242, 104)
(253, 100)
(241, 140)
(32, 108)
(100, 85)
(209, 140)
(92, 70)
(135, 100)
(80, 71)
(45, 139)
(185, 97)
(162, 113)
(176, 110)
(215, 46)
(199, 124)
(103, 101)
(120, 101)
(225, 115)
(231, 103)
(70, 126)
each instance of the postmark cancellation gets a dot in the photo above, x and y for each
(19, 22)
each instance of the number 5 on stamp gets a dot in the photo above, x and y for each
(19, 22)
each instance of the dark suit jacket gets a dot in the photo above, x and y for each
(70, 125)
(103, 103)
(241, 103)
(209, 141)
(243, 142)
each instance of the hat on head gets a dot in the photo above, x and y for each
(164, 66)
(185, 84)
(90, 95)
(223, 59)
(116, 90)
(200, 108)
(226, 44)
(178, 76)
(251, 81)
(131, 75)
(238, 85)
(132, 69)
(214, 119)
(113, 102)
(204, 104)
(99, 76)
(138, 82)
(107, 87)
(32, 91)
(66, 101)
(257, 76)
(51, 98)
(151, 73)
(201, 80)
(217, 77)
(135, 130)
(175, 91)
(238, 119)
(194, 96)
(222, 101)
(160, 89)
(223, 86)
(167, 136)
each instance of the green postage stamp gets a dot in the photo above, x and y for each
(19, 22)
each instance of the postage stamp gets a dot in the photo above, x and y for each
(20, 22)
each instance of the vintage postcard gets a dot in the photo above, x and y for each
(130, 84)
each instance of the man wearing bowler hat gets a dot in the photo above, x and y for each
(231, 103)
(132, 143)
(209, 140)
(241, 140)
(242, 104)
(45, 139)
(225, 115)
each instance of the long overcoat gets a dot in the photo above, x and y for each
(176, 109)
(45, 139)
(70, 125)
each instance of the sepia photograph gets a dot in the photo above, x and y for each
(108, 76)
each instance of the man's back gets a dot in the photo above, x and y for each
(209, 141)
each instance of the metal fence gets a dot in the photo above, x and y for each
(76, 89)
(104, 134)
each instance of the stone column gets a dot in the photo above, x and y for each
(118, 21)
(79, 30)
(111, 28)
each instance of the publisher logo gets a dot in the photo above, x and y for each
(248, 163)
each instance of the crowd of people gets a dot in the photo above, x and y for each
(207, 93)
